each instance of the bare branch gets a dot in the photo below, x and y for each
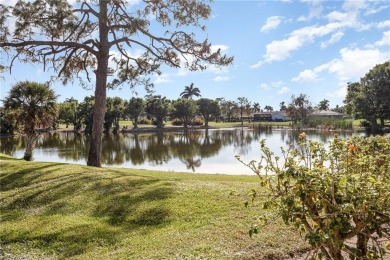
(49, 43)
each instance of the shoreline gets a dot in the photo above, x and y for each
(154, 129)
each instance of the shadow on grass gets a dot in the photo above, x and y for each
(14, 177)
(82, 210)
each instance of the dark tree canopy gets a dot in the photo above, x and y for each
(31, 105)
(369, 98)
(100, 37)
(323, 105)
(208, 108)
(184, 109)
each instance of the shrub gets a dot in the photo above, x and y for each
(197, 122)
(332, 194)
(144, 121)
(331, 123)
(176, 122)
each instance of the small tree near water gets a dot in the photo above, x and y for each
(30, 105)
(337, 197)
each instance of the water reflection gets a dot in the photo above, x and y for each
(206, 151)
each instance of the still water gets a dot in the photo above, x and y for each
(201, 151)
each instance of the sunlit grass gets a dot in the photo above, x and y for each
(53, 210)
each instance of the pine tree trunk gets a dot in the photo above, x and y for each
(95, 150)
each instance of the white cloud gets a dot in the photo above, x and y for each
(283, 90)
(306, 75)
(315, 10)
(385, 39)
(274, 84)
(384, 24)
(264, 86)
(333, 39)
(350, 66)
(257, 65)
(279, 50)
(271, 23)
(352, 5)
(221, 78)
(163, 78)
(341, 92)
(355, 63)
(375, 10)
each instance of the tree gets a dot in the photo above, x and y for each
(76, 41)
(184, 109)
(190, 91)
(159, 108)
(256, 107)
(208, 108)
(299, 108)
(282, 106)
(114, 111)
(242, 102)
(228, 108)
(323, 105)
(6, 127)
(68, 113)
(369, 98)
(339, 109)
(85, 112)
(31, 105)
(268, 108)
(133, 109)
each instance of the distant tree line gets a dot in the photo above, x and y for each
(31, 105)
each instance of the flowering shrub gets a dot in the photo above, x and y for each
(337, 197)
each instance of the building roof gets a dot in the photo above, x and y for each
(325, 113)
(271, 113)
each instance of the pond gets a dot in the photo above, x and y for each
(202, 151)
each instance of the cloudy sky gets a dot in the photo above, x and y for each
(280, 48)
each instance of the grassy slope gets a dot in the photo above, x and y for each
(53, 210)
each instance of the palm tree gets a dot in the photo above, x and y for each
(190, 91)
(256, 107)
(31, 104)
(323, 105)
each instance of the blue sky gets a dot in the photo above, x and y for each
(280, 48)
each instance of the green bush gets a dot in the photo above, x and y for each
(197, 122)
(331, 123)
(331, 195)
(144, 121)
(176, 122)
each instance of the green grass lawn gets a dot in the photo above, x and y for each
(56, 211)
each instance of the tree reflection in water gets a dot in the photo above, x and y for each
(189, 148)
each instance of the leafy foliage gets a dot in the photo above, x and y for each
(114, 111)
(190, 91)
(31, 105)
(133, 110)
(159, 108)
(63, 38)
(331, 195)
(369, 98)
(69, 114)
(299, 108)
(6, 126)
(185, 110)
(208, 108)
